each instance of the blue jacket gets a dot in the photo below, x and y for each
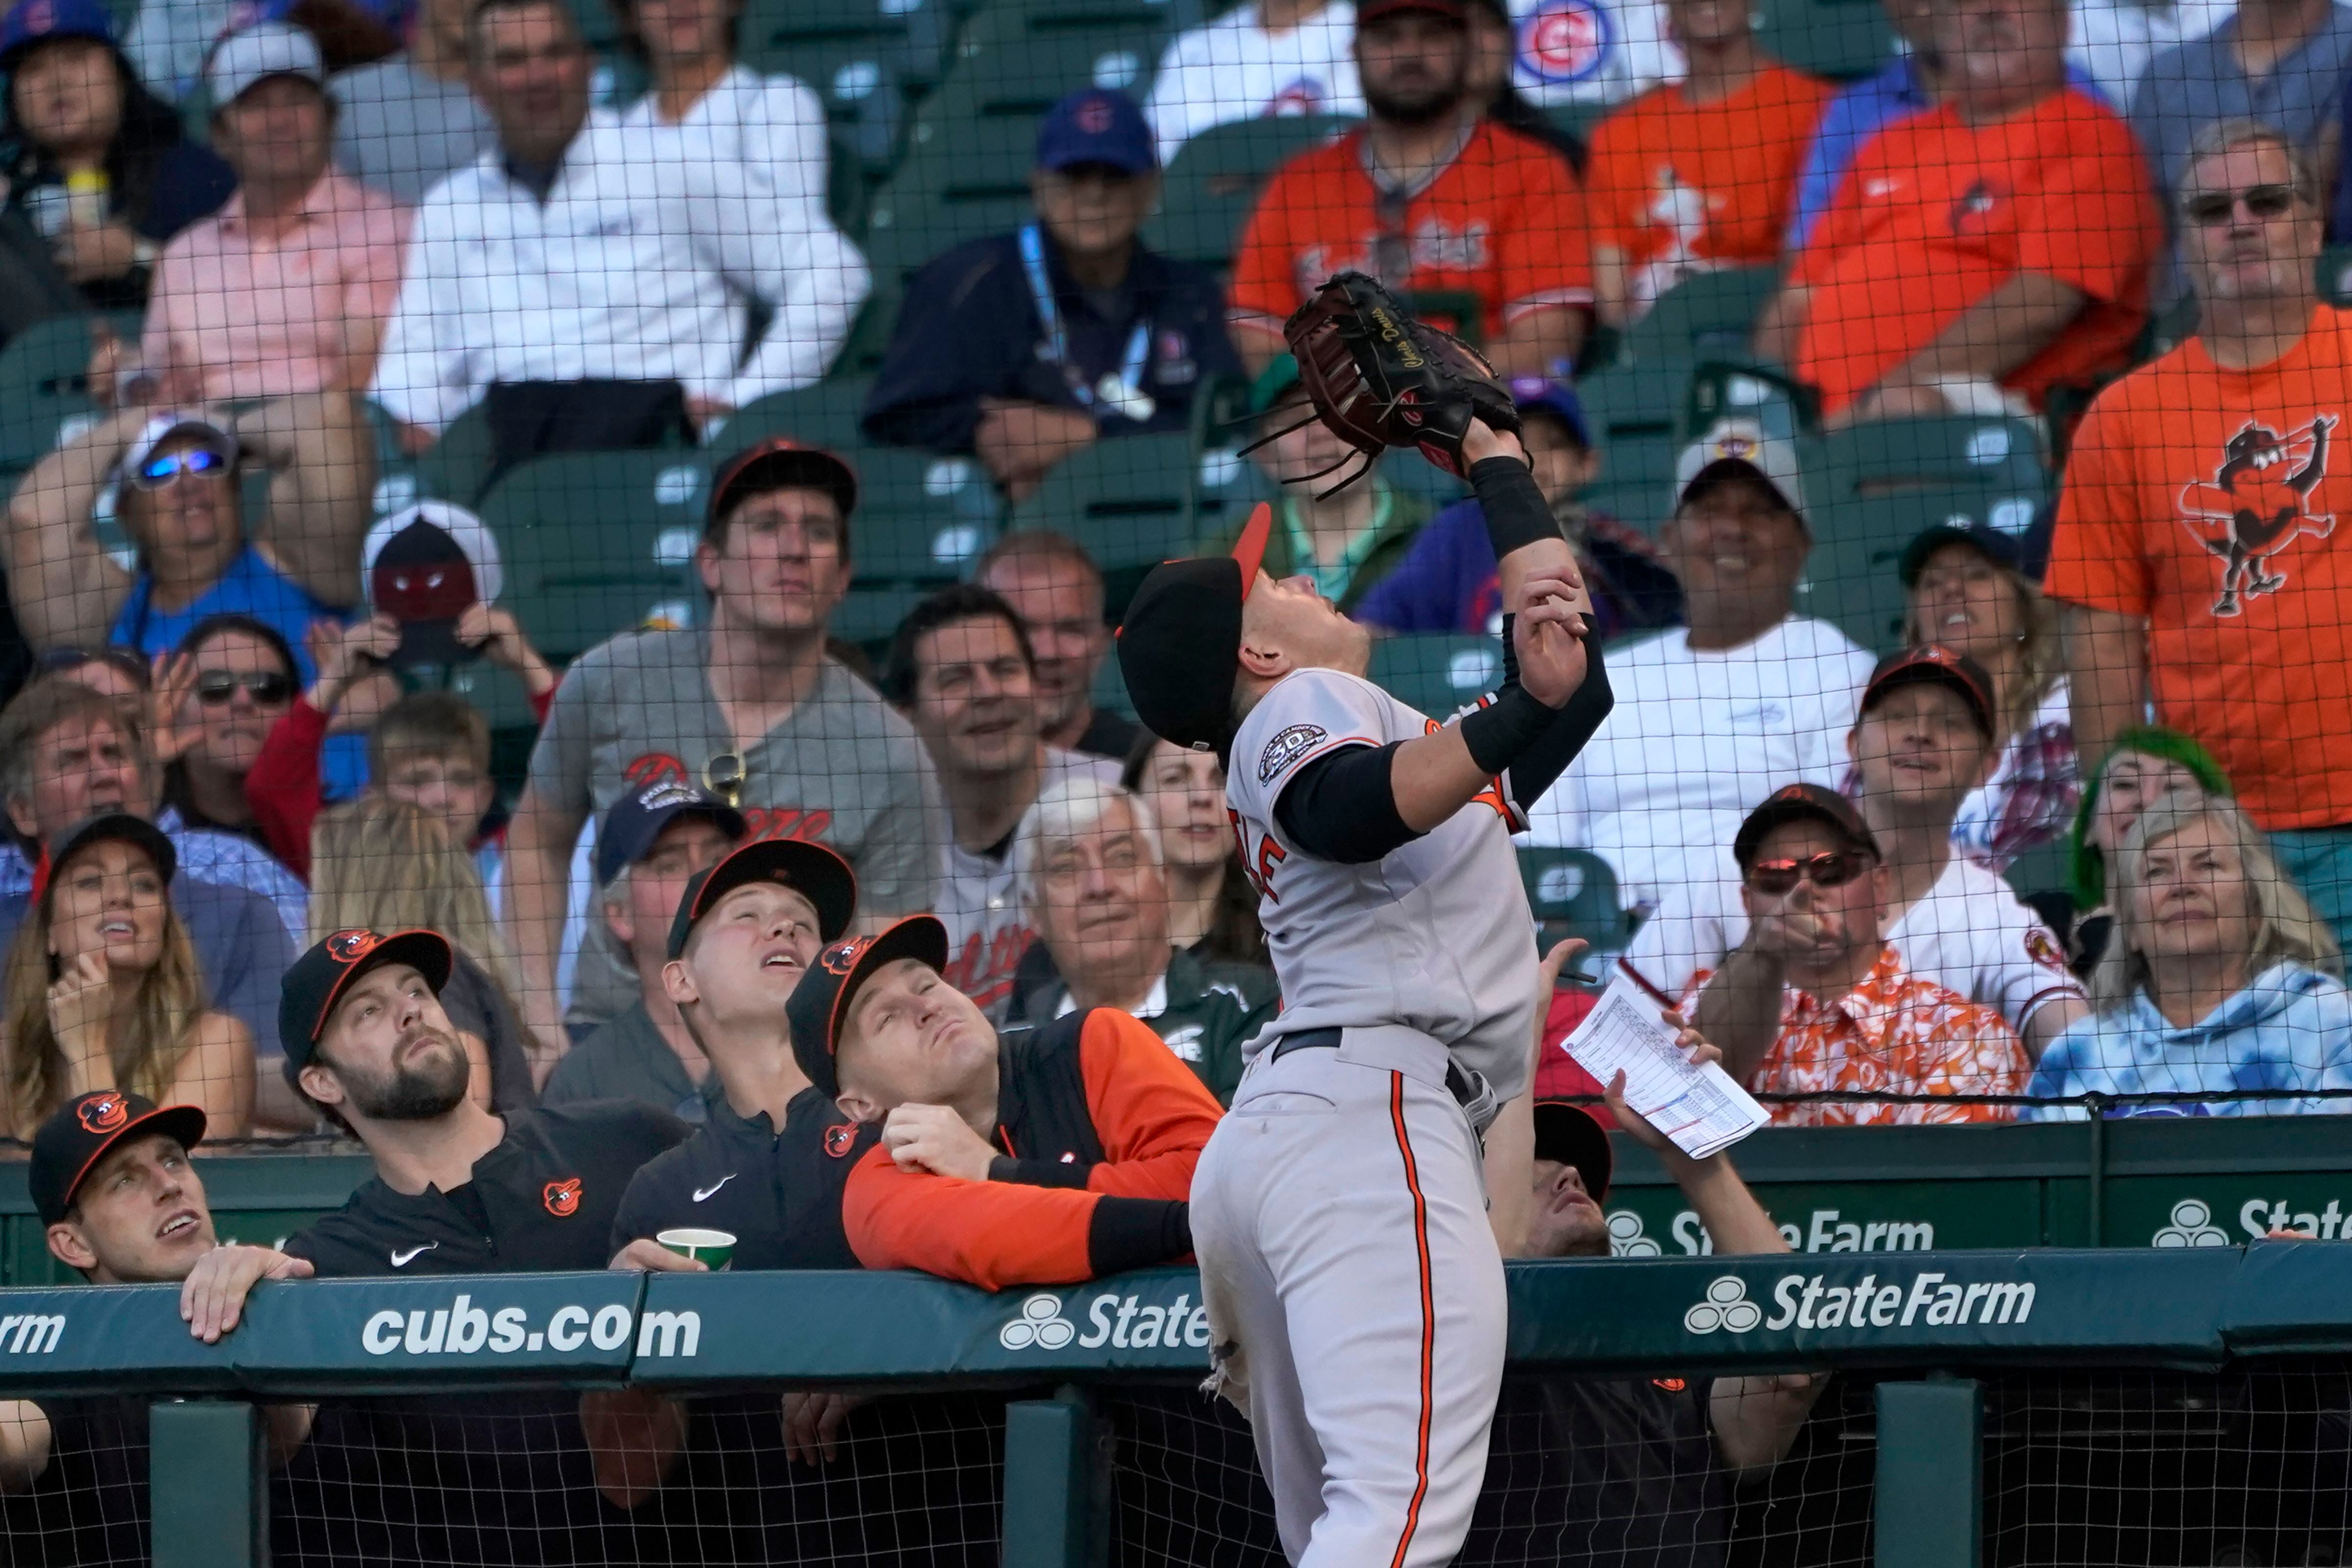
(1448, 581)
(969, 329)
(2290, 1028)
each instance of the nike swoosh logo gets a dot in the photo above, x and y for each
(403, 1260)
(702, 1192)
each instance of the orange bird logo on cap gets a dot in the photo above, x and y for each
(842, 957)
(351, 946)
(563, 1197)
(103, 1113)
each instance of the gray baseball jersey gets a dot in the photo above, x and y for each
(1437, 937)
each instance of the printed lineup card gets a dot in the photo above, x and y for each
(1702, 1109)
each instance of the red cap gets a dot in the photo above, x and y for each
(1249, 550)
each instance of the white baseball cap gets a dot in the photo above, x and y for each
(472, 535)
(163, 427)
(244, 60)
(1743, 441)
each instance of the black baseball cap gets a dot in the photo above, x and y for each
(79, 1133)
(1797, 803)
(317, 981)
(811, 870)
(2025, 554)
(781, 463)
(1935, 666)
(113, 826)
(1179, 646)
(1568, 1134)
(638, 819)
(825, 992)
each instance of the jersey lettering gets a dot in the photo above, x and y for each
(1257, 866)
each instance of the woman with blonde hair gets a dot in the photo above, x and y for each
(104, 991)
(2218, 978)
(1967, 589)
(379, 864)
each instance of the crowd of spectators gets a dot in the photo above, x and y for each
(371, 244)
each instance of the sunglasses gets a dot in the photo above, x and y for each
(723, 776)
(1830, 868)
(2218, 207)
(217, 688)
(165, 469)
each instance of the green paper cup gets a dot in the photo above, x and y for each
(714, 1248)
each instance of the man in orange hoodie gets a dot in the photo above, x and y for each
(1041, 1157)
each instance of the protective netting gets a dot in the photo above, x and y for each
(1008, 279)
(2127, 1466)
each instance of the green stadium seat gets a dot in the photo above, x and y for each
(1739, 384)
(1214, 184)
(922, 519)
(868, 616)
(1051, 16)
(2335, 274)
(825, 415)
(908, 40)
(1573, 893)
(598, 543)
(1828, 37)
(44, 383)
(1949, 453)
(1127, 500)
(1001, 66)
(1705, 314)
(958, 180)
(2045, 869)
(869, 336)
(1436, 673)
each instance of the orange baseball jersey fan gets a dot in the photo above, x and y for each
(1935, 213)
(2207, 501)
(1673, 182)
(1504, 221)
(1100, 1126)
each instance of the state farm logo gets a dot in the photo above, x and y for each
(1121, 1322)
(2193, 1225)
(1040, 1323)
(1810, 1301)
(1726, 1307)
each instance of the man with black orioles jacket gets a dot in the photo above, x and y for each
(457, 1190)
(1043, 1157)
(752, 1478)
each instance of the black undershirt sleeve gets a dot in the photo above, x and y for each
(1342, 807)
(1135, 1233)
(1537, 768)
(1038, 1173)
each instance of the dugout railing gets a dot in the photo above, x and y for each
(2140, 1181)
(1929, 1334)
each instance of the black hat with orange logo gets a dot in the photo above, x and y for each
(318, 980)
(1179, 645)
(821, 1001)
(811, 870)
(79, 1133)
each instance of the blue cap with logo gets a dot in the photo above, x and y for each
(31, 21)
(1536, 394)
(1097, 125)
(636, 820)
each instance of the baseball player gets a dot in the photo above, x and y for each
(1338, 1212)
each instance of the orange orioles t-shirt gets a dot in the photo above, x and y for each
(1681, 187)
(1935, 213)
(2207, 500)
(1504, 222)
